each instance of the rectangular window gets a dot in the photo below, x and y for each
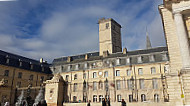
(154, 83)
(128, 72)
(18, 84)
(129, 84)
(20, 75)
(106, 85)
(118, 85)
(130, 98)
(94, 86)
(84, 76)
(117, 73)
(6, 73)
(31, 77)
(94, 75)
(153, 70)
(100, 85)
(141, 83)
(75, 76)
(140, 71)
(106, 74)
(75, 87)
(42, 79)
(119, 98)
(94, 98)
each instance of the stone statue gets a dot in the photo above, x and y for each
(2, 82)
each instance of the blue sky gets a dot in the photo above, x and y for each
(55, 28)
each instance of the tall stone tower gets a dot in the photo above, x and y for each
(109, 36)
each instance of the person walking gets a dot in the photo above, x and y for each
(88, 103)
(103, 102)
(123, 103)
(108, 102)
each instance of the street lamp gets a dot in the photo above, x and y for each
(106, 87)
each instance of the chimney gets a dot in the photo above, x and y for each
(125, 50)
(41, 60)
(68, 59)
(86, 56)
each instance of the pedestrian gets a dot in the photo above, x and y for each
(88, 103)
(103, 102)
(123, 103)
(108, 102)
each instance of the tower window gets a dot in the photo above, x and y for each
(107, 25)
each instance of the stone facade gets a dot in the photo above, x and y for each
(175, 15)
(109, 36)
(136, 76)
(17, 72)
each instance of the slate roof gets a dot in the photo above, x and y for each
(95, 56)
(14, 61)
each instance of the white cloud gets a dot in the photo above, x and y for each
(67, 30)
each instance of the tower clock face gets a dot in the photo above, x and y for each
(100, 73)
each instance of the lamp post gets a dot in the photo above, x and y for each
(84, 91)
(132, 80)
(106, 83)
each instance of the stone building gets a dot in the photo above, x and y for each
(175, 16)
(136, 76)
(17, 72)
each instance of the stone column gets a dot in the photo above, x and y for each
(183, 40)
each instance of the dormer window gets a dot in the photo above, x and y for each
(42, 68)
(20, 63)
(140, 59)
(77, 67)
(68, 67)
(118, 61)
(62, 68)
(128, 60)
(164, 57)
(7, 61)
(86, 65)
(151, 58)
(31, 66)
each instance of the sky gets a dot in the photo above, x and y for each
(54, 28)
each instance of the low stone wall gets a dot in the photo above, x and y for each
(128, 104)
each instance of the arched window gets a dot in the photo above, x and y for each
(156, 98)
(74, 99)
(143, 97)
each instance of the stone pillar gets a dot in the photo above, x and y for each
(183, 40)
(54, 91)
